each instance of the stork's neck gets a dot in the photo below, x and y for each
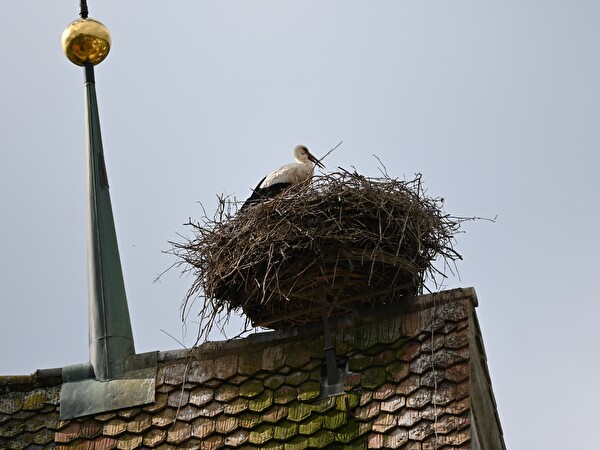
(303, 159)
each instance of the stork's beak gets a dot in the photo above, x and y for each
(315, 160)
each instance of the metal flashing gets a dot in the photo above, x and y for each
(82, 395)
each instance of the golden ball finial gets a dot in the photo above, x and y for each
(86, 40)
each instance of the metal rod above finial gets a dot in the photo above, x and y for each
(83, 9)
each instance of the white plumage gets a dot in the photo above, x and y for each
(285, 176)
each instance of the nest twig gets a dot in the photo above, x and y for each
(362, 241)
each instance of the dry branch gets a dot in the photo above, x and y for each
(364, 240)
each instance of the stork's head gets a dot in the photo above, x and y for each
(303, 156)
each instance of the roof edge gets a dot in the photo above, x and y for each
(211, 349)
(53, 377)
(40, 378)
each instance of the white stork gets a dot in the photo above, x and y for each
(285, 176)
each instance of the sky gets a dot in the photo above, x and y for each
(496, 104)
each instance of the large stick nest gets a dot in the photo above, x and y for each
(343, 239)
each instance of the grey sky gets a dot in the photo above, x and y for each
(496, 104)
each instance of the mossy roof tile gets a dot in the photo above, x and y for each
(334, 419)
(188, 413)
(226, 393)
(274, 381)
(201, 396)
(285, 430)
(373, 377)
(359, 444)
(129, 442)
(393, 404)
(236, 406)
(203, 427)
(456, 439)
(273, 358)
(457, 373)
(200, 371)
(321, 440)
(408, 417)
(90, 428)
(458, 407)
(297, 412)
(178, 398)
(11, 429)
(237, 438)
(250, 362)
(261, 435)
(226, 424)
(128, 413)
(285, 394)
(296, 378)
(211, 443)
(36, 423)
(23, 415)
(179, 432)
(369, 411)
(385, 357)
(375, 440)
(272, 445)
(262, 402)
(352, 381)
(352, 430)
(35, 400)
(296, 356)
(211, 410)
(160, 402)
(43, 437)
(395, 438)
(154, 437)
(113, 428)
(348, 401)
(251, 388)
(311, 425)
(275, 414)
(298, 443)
(264, 392)
(421, 430)
(358, 362)
(448, 423)
(409, 351)
(11, 403)
(365, 397)
(397, 371)
(384, 391)
(105, 417)
(432, 378)
(174, 373)
(237, 380)
(250, 420)
(163, 418)
(384, 422)
(226, 367)
(309, 390)
(324, 404)
(408, 385)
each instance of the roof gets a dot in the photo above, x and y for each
(417, 379)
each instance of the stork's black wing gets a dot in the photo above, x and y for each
(259, 194)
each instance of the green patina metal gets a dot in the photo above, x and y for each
(110, 334)
(115, 377)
